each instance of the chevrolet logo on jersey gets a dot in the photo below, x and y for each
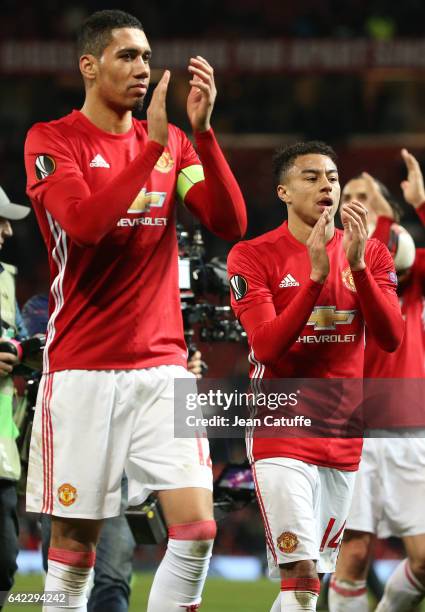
(144, 201)
(327, 317)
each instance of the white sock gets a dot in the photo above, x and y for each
(402, 591)
(276, 605)
(347, 596)
(66, 585)
(90, 583)
(298, 601)
(180, 578)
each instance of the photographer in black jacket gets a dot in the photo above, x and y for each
(12, 329)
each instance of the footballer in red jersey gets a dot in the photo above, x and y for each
(304, 293)
(104, 187)
(389, 493)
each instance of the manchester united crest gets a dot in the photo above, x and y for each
(287, 542)
(67, 494)
(348, 280)
(164, 163)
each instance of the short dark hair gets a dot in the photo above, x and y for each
(95, 33)
(284, 158)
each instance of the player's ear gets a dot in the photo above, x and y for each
(282, 193)
(88, 66)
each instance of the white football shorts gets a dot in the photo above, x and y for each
(90, 426)
(389, 492)
(304, 509)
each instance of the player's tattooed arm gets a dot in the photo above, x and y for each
(316, 245)
(157, 112)
(201, 98)
(354, 220)
(413, 186)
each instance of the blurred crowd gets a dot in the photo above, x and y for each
(380, 19)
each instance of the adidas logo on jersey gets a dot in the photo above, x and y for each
(99, 162)
(289, 281)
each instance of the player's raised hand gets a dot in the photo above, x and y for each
(157, 112)
(413, 187)
(201, 98)
(377, 201)
(354, 220)
(316, 245)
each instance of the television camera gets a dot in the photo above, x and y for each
(203, 289)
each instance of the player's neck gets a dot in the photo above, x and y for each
(301, 230)
(105, 118)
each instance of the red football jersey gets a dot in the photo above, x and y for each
(408, 361)
(273, 268)
(115, 305)
(403, 402)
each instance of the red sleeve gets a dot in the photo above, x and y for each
(419, 264)
(217, 201)
(64, 193)
(418, 269)
(382, 229)
(376, 288)
(383, 225)
(269, 335)
(420, 211)
(189, 156)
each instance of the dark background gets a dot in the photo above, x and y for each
(367, 100)
(350, 72)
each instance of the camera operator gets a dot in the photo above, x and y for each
(12, 329)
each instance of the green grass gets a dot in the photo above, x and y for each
(219, 595)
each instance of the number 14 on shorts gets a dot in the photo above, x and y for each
(327, 540)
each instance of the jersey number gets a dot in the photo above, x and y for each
(333, 542)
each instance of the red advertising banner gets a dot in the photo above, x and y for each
(261, 55)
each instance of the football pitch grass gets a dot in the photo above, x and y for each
(219, 595)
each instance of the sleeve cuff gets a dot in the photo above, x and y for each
(384, 221)
(382, 229)
(314, 285)
(421, 212)
(204, 136)
(154, 147)
(360, 276)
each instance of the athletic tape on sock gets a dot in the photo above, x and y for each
(72, 557)
(300, 584)
(199, 530)
(344, 588)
